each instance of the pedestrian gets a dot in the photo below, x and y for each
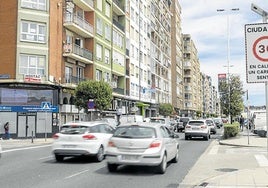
(6, 127)
(241, 121)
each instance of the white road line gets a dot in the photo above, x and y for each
(76, 174)
(48, 157)
(214, 150)
(262, 160)
(25, 148)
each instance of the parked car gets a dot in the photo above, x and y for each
(143, 144)
(82, 139)
(0, 150)
(212, 126)
(218, 122)
(197, 128)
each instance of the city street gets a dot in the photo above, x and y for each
(36, 167)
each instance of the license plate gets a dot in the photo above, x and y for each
(69, 146)
(195, 128)
(129, 157)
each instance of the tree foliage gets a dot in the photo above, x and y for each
(236, 96)
(165, 109)
(99, 91)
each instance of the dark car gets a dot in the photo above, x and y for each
(184, 121)
(218, 122)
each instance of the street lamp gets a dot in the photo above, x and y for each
(264, 15)
(228, 60)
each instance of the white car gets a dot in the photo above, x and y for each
(144, 144)
(197, 128)
(0, 150)
(82, 138)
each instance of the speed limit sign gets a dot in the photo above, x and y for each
(256, 36)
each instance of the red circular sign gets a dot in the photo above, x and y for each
(262, 45)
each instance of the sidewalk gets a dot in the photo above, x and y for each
(19, 143)
(239, 162)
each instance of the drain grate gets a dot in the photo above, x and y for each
(204, 184)
(226, 169)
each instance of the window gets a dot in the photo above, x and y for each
(98, 52)
(107, 56)
(99, 26)
(34, 4)
(107, 32)
(98, 75)
(32, 64)
(107, 77)
(33, 32)
(107, 9)
(68, 74)
(80, 74)
(99, 5)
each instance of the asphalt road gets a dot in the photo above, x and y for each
(37, 168)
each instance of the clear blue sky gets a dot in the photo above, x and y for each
(209, 31)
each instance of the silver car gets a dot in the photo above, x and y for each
(144, 144)
(197, 128)
(82, 138)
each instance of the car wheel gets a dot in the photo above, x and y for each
(207, 137)
(163, 165)
(100, 154)
(59, 158)
(176, 158)
(112, 167)
(186, 137)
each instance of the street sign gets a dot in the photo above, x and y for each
(46, 105)
(256, 38)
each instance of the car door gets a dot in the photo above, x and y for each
(169, 142)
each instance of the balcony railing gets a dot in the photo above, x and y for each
(119, 5)
(73, 18)
(117, 24)
(73, 79)
(69, 48)
(119, 91)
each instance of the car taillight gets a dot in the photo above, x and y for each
(155, 144)
(55, 136)
(188, 126)
(89, 137)
(203, 126)
(111, 144)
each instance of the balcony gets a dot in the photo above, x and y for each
(119, 91)
(78, 25)
(78, 53)
(117, 24)
(119, 9)
(87, 5)
(73, 79)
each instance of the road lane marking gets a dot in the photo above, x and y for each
(262, 160)
(48, 157)
(24, 148)
(214, 150)
(76, 174)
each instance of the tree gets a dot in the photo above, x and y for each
(99, 91)
(236, 96)
(165, 109)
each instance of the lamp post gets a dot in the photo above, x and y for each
(264, 15)
(228, 61)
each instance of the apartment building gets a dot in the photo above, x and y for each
(50, 46)
(176, 58)
(192, 78)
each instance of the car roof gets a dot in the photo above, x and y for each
(149, 124)
(85, 123)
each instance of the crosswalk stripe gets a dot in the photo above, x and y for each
(262, 160)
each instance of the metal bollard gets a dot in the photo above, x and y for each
(32, 136)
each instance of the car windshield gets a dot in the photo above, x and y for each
(196, 123)
(157, 120)
(75, 129)
(135, 132)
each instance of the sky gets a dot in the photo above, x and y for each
(210, 30)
